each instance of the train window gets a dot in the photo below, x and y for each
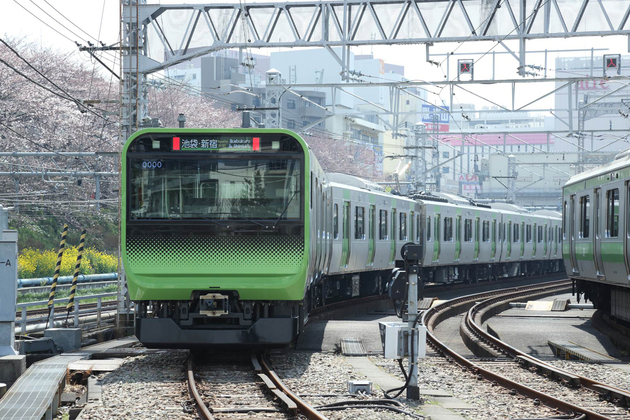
(428, 228)
(311, 190)
(448, 229)
(612, 213)
(540, 234)
(494, 231)
(382, 223)
(418, 228)
(411, 225)
(528, 233)
(359, 222)
(336, 221)
(585, 216)
(403, 227)
(509, 231)
(468, 230)
(486, 231)
(515, 237)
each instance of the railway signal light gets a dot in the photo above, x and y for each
(465, 68)
(176, 145)
(612, 64)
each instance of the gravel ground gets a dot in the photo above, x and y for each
(313, 375)
(143, 388)
(229, 381)
(607, 374)
(489, 401)
(580, 397)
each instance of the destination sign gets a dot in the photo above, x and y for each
(218, 144)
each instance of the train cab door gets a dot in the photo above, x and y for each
(345, 243)
(597, 232)
(371, 234)
(571, 233)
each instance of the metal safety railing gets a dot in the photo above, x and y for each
(26, 324)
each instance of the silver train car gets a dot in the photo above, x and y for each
(359, 231)
(596, 226)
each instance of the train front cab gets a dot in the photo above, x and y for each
(214, 241)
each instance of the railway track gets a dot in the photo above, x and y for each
(106, 305)
(232, 390)
(583, 400)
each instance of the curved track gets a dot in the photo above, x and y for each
(438, 313)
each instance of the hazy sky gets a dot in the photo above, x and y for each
(100, 19)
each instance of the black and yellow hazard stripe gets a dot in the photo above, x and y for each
(77, 268)
(53, 287)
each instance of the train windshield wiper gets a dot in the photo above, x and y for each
(286, 207)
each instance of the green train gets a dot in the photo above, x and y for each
(232, 236)
(596, 226)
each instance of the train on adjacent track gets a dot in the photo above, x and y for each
(232, 236)
(596, 225)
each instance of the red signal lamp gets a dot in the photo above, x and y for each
(176, 143)
(256, 144)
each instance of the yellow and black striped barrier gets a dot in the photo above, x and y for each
(77, 268)
(53, 287)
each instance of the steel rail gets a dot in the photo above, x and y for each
(202, 410)
(305, 409)
(478, 311)
(431, 319)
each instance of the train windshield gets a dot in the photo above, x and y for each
(235, 188)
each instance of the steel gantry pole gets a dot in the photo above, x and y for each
(134, 104)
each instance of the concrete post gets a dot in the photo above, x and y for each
(8, 288)
(12, 365)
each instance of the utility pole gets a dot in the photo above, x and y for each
(511, 180)
(435, 161)
(273, 116)
(580, 134)
(420, 168)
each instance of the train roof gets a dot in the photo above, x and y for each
(621, 161)
(354, 181)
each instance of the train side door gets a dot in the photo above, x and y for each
(493, 249)
(477, 229)
(597, 232)
(509, 241)
(392, 251)
(436, 236)
(371, 234)
(571, 233)
(458, 237)
(522, 239)
(627, 229)
(345, 244)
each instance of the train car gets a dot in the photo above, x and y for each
(596, 228)
(231, 237)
